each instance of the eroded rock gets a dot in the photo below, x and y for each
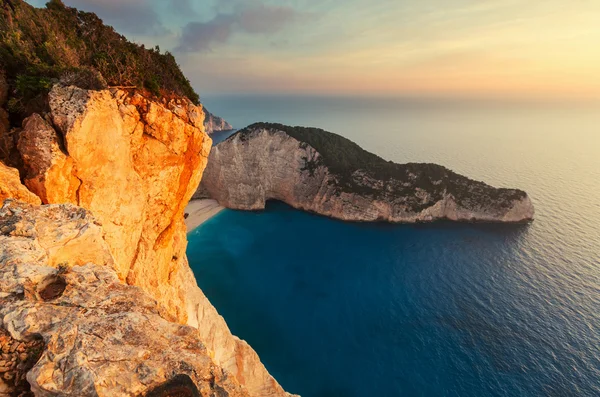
(11, 186)
(135, 163)
(17, 358)
(49, 171)
(131, 161)
(264, 162)
(97, 336)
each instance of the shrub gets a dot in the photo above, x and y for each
(42, 45)
(344, 158)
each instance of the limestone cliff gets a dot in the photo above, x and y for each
(214, 123)
(321, 172)
(134, 163)
(68, 326)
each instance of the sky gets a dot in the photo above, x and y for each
(431, 48)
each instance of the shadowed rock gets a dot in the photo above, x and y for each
(179, 386)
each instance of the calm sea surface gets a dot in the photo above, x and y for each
(360, 310)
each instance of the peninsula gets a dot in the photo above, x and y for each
(214, 123)
(321, 172)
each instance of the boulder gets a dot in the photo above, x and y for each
(11, 186)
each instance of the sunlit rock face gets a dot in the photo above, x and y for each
(69, 326)
(262, 163)
(11, 186)
(134, 162)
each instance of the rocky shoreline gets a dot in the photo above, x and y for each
(268, 162)
(214, 123)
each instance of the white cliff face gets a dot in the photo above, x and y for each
(248, 169)
(214, 123)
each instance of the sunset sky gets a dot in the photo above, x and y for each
(479, 48)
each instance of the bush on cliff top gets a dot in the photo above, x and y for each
(344, 157)
(41, 45)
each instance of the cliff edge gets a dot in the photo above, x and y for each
(134, 163)
(69, 326)
(102, 144)
(324, 173)
(214, 123)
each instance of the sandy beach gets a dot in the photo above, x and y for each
(200, 211)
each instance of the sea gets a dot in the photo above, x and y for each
(443, 309)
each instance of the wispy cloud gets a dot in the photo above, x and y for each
(257, 18)
(182, 8)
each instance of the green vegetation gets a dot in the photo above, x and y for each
(339, 154)
(361, 172)
(41, 46)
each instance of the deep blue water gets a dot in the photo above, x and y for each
(342, 309)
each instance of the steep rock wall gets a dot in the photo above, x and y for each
(73, 328)
(248, 169)
(135, 163)
(214, 123)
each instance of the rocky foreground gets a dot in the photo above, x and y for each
(96, 294)
(324, 173)
(71, 327)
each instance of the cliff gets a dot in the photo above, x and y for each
(133, 162)
(71, 327)
(214, 123)
(96, 295)
(321, 172)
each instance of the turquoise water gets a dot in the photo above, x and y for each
(340, 309)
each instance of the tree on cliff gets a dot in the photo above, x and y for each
(39, 46)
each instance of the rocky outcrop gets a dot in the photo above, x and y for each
(11, 186)
(133, 163)
(49, 170)
(340, 180)
(73, 328)
(214, 123)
